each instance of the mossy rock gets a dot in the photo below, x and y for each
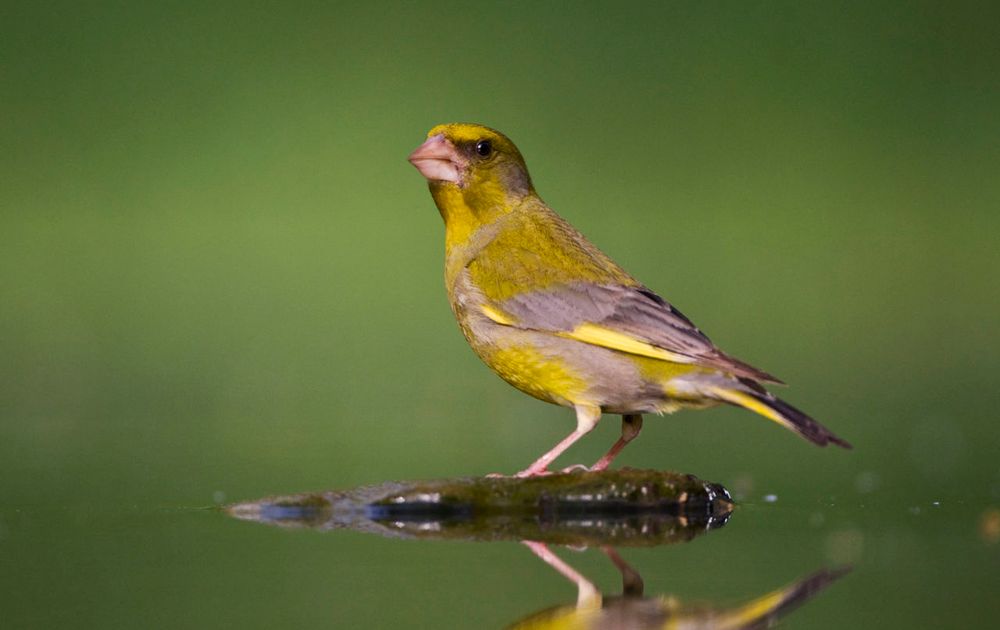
(625, 507)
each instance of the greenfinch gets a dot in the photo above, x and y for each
(556, 318)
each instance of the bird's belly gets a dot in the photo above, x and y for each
(568, 372)
(538, 374)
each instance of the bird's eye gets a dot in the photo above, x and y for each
(484, 148)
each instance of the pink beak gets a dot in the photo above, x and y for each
(438, 160)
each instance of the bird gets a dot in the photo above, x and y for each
(558, 319)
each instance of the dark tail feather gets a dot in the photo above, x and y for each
(764, 611)
(782, 413)
(802, 423)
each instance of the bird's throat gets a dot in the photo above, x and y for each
(464, 213)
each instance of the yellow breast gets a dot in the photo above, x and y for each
(544, 377)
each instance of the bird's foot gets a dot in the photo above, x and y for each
(524, 474)
(528, 473)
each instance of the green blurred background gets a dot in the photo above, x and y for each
(220, 279)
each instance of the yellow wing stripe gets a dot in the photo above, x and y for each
(600, 336)
(607, 338)
(496, 315)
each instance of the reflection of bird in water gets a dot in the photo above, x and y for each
(557, 318)
(608, 509)
(632, 610)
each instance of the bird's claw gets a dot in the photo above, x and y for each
(527, 474)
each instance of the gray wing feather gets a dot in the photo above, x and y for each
(635, 311)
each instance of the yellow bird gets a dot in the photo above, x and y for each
(557, 318)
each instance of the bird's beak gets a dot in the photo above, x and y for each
(438, 160)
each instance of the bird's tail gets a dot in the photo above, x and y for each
(764, 611)
(772, 408)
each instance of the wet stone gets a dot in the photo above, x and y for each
(622, 507)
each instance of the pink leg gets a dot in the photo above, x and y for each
(587, 593)
(586, 420)
(631, 425)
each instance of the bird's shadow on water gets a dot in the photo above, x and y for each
(607, 509)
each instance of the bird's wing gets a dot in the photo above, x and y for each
(630, 319)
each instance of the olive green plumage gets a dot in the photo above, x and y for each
(557, 318)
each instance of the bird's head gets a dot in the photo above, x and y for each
(472, 166)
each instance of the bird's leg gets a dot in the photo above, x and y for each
(631, 425)
(632, 585)
(587, 593)
(586, 419)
